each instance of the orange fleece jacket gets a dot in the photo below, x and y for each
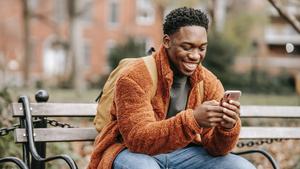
(139, 122)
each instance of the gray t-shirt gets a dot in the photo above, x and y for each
(179, 94)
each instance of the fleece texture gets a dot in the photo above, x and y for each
(139, 121)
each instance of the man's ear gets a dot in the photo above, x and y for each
(166, 41)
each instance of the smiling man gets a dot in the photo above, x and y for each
(183, 126)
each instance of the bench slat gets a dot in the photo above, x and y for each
(57, 134)
(89, 110)
(270, 111)
(270, 132)
(57, 109)
(89, 134)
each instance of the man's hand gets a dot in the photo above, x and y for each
(209, 114)
(231, 114)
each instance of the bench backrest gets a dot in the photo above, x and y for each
(89, 134)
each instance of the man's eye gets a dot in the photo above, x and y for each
(202, 49)
(187, 48)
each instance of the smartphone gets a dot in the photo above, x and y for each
(231, 95)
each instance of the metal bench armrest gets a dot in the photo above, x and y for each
(29, 134)
(264, 153)
(15, 160)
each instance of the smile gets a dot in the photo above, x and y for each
(190, 66)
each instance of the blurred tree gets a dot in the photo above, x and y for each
(241, 28)
(217, 10)
(294, 22)
(28, 14)
(72, 46)
(75, 76)
(3, 59)
(27, 47)
(162, 5)
(75, 63)
(220, 57)
(130, 49)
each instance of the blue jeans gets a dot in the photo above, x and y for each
(193, 157)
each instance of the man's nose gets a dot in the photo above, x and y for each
(195, 55)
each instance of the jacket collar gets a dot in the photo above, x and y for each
(164, 69)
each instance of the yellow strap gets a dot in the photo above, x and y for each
(151, 66)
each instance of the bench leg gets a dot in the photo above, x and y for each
(40, 148)
(264, 153)
(25, 146)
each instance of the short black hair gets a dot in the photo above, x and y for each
(184, 16)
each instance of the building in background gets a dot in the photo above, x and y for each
(102, 24)
(270, 42)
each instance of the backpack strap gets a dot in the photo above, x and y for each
(151, 66)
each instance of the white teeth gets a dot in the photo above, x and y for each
(190, 66)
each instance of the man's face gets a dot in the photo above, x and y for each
(186, 48)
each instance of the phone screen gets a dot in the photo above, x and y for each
(231, 95)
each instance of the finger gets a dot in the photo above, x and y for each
(215, 120)
(236, 103)
(232, 107)
(229, 106)
(216, 108)
(227, 119)
(215, 114)
(230, 113)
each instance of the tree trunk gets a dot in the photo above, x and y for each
(218, 13)
(76, 77)
(27, 47)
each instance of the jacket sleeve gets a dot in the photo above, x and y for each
(140, 130)
(219, 141)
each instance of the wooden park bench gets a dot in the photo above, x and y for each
(33, 139)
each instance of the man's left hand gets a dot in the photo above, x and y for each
(231, 115)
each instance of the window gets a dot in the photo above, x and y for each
(145, 13)
(113, 15)
(60, 10)
(54, 61)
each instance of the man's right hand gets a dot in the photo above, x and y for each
(208, 114)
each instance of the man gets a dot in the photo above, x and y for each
(176, 128)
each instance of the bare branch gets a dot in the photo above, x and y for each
(283, 13)
(87, 6)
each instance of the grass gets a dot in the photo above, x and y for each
(261, 99)
(60, 95)
(89, 96)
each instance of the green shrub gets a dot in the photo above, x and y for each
(220, 57)
(264, 83)
(131, 49)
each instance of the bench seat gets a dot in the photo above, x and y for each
(89, 134)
